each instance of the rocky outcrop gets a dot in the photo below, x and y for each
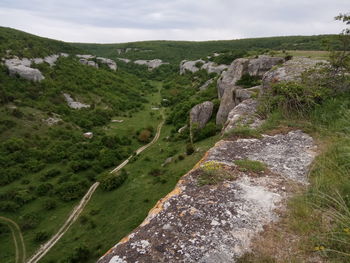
(88, 62)
(289, 71)
(212, 67)
(126, 50)
(244, 114)
(206, 84)
(191, 66)
(22, 68)
(239, 67)
(200, 114)
(217, 223)
(151, 64)
(124, 60)
(195, 65)
(74, 104)
(109, 62)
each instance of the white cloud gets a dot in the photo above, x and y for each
(122, 21)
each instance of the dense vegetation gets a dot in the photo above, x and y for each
(175, 51)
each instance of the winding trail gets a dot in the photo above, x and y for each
(17, 240)
(44, 249)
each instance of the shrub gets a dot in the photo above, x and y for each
(144, 136)
(41, 236)
(248, 81)
(29, 221)
(250, 165)
(292, 98)
(189, 149)
(50, 204)
(111, 181)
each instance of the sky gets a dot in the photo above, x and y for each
(115, 21)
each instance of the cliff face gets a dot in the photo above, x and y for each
(216, 223)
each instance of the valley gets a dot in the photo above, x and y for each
(91, 143)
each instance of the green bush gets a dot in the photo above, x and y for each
(248, 81)
(111, 181)
(292, 98)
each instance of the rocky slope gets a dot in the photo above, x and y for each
(216, 223)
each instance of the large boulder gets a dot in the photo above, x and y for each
(232, 75)
(239, 67)
(243, 114)
(259, 66)
(227, 103)
(23, 69)
(201, 113)
(289, 71)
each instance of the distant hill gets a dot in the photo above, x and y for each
(175, 51)
(27, 45)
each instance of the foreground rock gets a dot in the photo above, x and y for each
(74, 104)
(244, 114)
(239, 67)
(217, 223)
(200, 114)
(151, 64)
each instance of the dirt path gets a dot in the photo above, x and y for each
(17, 240)
(71, 219)
(44, 249)
(141, 149)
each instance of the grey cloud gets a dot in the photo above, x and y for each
(162, 19)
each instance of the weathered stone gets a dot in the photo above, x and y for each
(201, 113)
(239, 67)
(51, 59)
(151, 64)
(88, 135)
(86, 56)
(217, 223)
(232, 75)
(52, 120)
(227, 103)
(109, 62)
(124, 60)
(88, 62)
(190, 66)
(243, 114)
(23, 69)
(212, 67)
(167, 161)
(206, 84)
(289, 71)
(243, 94)
(74, 104)
(259, 66)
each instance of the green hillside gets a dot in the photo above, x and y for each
(175, 51)
(27, 45)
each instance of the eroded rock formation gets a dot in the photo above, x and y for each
(23, 69)
(200, 114)
(74, 104)
(216, 223)
(151, 64)
(195, 65)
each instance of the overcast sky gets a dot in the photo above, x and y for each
(111, 21)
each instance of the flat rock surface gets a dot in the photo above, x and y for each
(216, 223)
